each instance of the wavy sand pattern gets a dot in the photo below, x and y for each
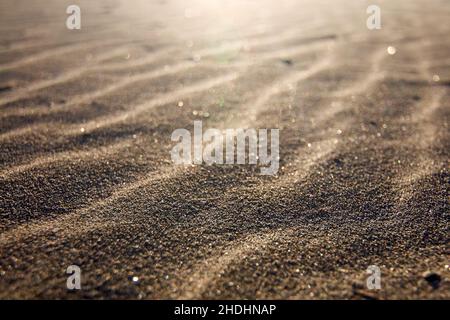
(86, 175)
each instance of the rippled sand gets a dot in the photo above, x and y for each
(86, 177)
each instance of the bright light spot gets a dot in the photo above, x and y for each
(436, 78)
(391, 50)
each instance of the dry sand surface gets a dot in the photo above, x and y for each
(86, 176)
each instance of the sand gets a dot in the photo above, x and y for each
(86, 176)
